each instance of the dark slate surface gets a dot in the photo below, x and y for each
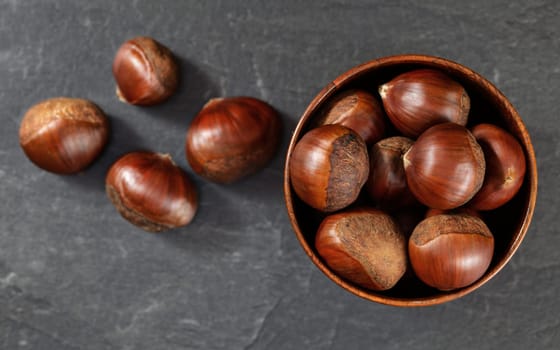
(75, 275)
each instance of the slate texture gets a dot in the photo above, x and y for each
(75, 275)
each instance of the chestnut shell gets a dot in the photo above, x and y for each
(364, 246)
(450, 251)
(329, 167)
(145, 71)
(416, 100)
(445, 166)
(151, 191)
(358, 110)
(386, 183)
(505, 167)
(233, 137)
(63, 135)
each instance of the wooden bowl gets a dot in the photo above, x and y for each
(509, 223)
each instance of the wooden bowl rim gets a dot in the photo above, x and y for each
(436, 62)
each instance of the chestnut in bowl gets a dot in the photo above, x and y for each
(508, 223)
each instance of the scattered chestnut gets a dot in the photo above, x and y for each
(364, 246)
(450, 251)
(329, 167)
(151, 191)
(445, 166)
(357, 110)
(63, 135)
(505, 167)
(231, 138)
(386, 183)
(145, 71)
(419, 99)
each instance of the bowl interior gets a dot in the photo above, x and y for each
(508, 223)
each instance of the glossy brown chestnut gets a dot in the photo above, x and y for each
(386, 183)
(419, 99)
(151, 191)
(364, 246)
(445, 166)
(505, 167)
(63, 135)
(329, 167)
(145, 71)
(357, 110)
(450, 251)
(231, 138)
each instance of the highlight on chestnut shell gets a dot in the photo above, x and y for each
(416, 100)
(505, 167)
(328, 167)
(63, 135)
(145, 71)
(150, 191)
(450, 251)
(364, 246)
(231, 138)
(445, 167)
(358, 110)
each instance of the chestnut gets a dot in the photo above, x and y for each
(151, 191)
(357, 110)
(364, 246)
(445, 167)
(231, 138)
(450, 251)
(419, 99)
(329, 167)
(63, 135)
(386, 183)
(145, 71)
(505, 167)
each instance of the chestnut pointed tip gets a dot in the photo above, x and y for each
(167, 157)
(120, 95)
(383, 89)
(405, 158)
(213, 101)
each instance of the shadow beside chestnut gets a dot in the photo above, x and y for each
(194, 90)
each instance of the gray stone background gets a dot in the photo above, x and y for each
(75, 275)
